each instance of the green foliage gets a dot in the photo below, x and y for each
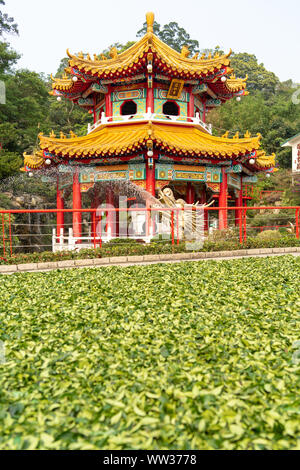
(274, 116)
(204, 360)
(120, 48)
(7, 24)
(8, 58)
(258, 77)
(228, 242)
(10, 163)
(173, 35)
(269, 235)
(26, 109)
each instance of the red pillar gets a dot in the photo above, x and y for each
(150, 176)
(150, 187)
(190, 108)
(190, 193)
(60, 219)
(223, 201)
(108, 103)
(77, 217)
(150, 100)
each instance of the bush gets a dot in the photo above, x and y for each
(269, 235)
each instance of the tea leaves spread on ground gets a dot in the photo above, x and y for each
(182, 356)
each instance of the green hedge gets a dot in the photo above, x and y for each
(131, 248)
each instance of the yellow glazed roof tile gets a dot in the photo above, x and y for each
(126, 138)
(265, 161)
(34, 161)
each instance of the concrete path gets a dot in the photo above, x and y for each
(148, 259)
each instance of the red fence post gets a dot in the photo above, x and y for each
(3, 229)
(245, 224)
(241, 225)
(10, 237)
(94, 227)
(297, 223)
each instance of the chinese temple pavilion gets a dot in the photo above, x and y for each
(149, 107)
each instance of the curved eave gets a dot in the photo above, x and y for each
(134, 58)
(230, 88)
(124, 139)
(33, 162)
(265, 162)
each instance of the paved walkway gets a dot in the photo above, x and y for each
(148, 259)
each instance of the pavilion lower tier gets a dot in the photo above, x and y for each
(124, 186)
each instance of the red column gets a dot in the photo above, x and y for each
(223, 201)
(60, 218)
(150, 176)
(150, 187)
(77, 217)
(190, 193)
(108, 103)
(190, 108)
(150, 100)
(110, 225)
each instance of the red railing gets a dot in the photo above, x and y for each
(19, 234)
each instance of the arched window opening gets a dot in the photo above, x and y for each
(171, 109)
(128, 108)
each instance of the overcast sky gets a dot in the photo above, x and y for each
(267, 28)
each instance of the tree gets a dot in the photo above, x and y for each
(7, 24)
(8, 58)
(259, 78)
(10, 163)
(173, 35)
(26, 109)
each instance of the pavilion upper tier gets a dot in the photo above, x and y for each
(210, 76)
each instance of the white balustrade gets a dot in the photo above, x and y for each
(150, 117)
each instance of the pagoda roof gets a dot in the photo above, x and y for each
(33, 161)
(129, 138)
(264, 161)
(133, 61)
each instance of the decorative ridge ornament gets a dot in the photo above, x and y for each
(150, 21)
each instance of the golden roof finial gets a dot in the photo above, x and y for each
(247, 135)
(185, 51)
(225, 136)
(52, 133)
(150, 21)
(113, 53)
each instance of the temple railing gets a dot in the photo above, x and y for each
(150, 117)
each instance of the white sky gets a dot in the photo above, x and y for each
(267, 28)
